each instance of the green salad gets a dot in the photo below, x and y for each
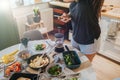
(40, 46)
(55, 70)
(68, 59)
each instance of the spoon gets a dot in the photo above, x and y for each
(40, 58)
(67, 48)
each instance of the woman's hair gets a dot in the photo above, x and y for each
(97, 5)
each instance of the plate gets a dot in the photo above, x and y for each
(7, 64)
(11, 62)
(32, 46)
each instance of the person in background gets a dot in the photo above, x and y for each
(84, 16)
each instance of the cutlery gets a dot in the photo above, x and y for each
(73, 75)
(1, 67)
(38, 75)
(48, 43)
(40, 58)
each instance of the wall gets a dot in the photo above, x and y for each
(20, 15)
(113, 2)
(8, 30)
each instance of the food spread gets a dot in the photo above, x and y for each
(40, 47)
(15, 67)
(22, 78)
(7, 58)
(38, 62)
(55, 70)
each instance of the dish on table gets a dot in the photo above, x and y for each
(9, 58)
(36, 62)
(38, 45)
(71, 59)
(25, 54)
(23, 76)
(15, 67)
(55, 69)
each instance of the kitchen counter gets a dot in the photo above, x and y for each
(113, 14)
(61, 4)
(110, 16)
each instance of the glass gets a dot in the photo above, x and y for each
(24, 41)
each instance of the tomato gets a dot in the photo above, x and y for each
(7, 72)
(11, 68)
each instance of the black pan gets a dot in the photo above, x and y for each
(33, 57)
(15, 76)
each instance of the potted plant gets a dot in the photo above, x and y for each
(36, 15)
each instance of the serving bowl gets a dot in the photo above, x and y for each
(36, 63)
(71, 59)
(24, 54)
(16, 76)
(54, 69)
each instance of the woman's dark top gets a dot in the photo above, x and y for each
(84, 22)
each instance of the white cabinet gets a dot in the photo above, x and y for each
(109, 39)
(104, 23)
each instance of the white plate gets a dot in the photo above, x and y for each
(33, 44)
(15, 59)
(11, 62)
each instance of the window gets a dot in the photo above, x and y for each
(17, 3)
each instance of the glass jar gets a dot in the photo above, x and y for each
(59, 39)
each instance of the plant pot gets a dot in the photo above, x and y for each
(36, 19)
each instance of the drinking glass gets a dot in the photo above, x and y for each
(24, 41)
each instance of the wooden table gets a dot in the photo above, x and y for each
(86, 71)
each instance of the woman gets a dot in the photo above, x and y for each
(84, 16)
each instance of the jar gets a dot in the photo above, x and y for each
(59, 39)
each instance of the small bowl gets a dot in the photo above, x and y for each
(25, 54)
(59, 71)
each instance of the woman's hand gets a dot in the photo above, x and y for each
(64, 17)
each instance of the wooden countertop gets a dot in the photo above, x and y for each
(61, 4)
(104, 14)
(110, 16)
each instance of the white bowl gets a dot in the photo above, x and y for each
(22, 53)
(51, 65)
